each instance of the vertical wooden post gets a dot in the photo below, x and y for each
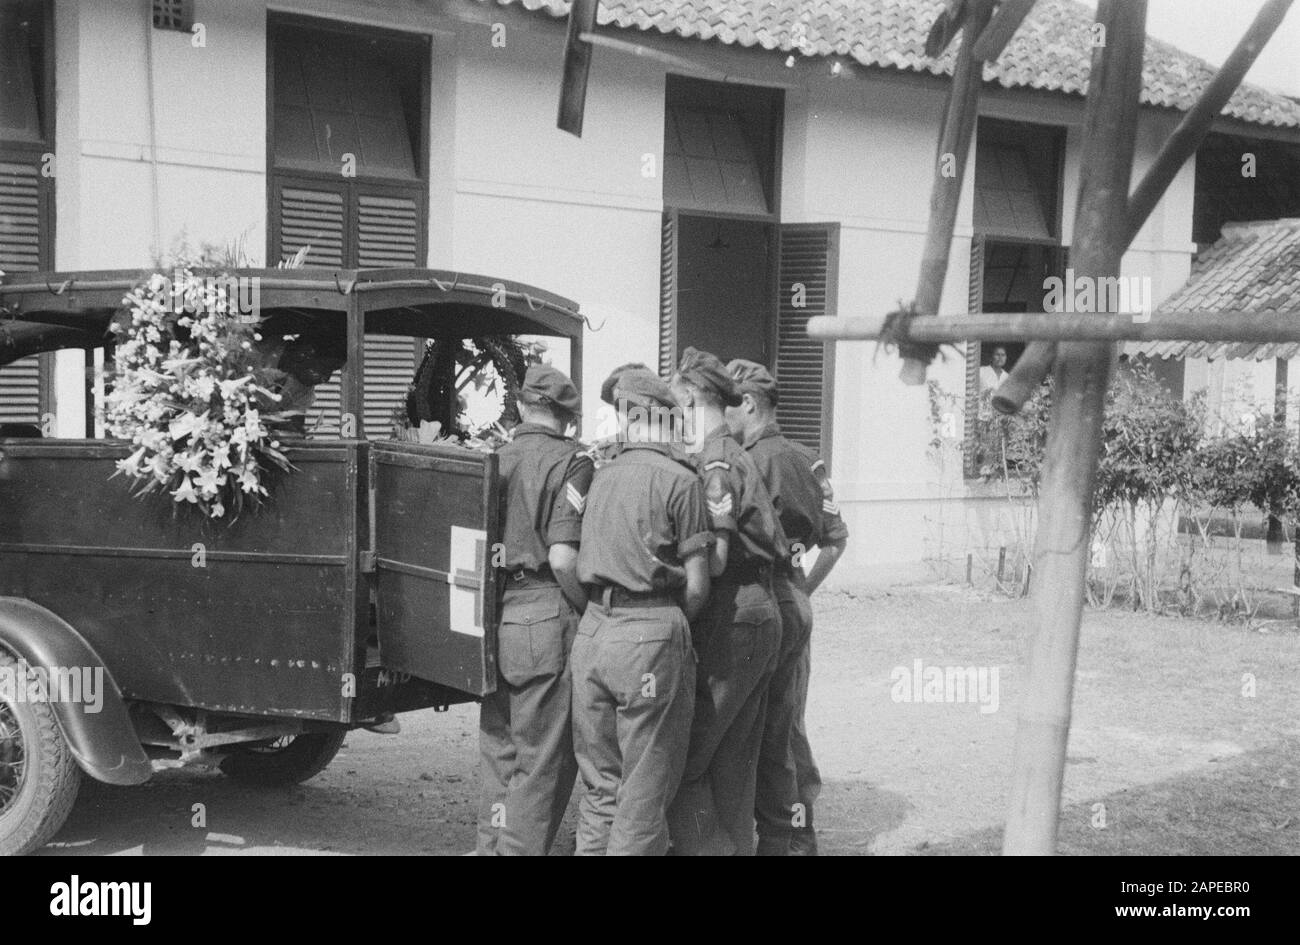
(1273, 536)
(1081, 375)
(352, 394)
(577, 67)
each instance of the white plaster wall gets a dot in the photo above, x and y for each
(580, 217)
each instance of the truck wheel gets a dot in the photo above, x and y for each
(39, 777)
(288, 760)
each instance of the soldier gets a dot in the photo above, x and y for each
(788, 780)
(644, 554)
(607, 444)
(525, 732)
(740, 633)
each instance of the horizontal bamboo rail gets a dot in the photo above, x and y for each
(1222, 326)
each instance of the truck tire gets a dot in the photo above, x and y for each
(39, 778)
(289, 760)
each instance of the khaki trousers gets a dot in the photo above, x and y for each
(527, 767)
(633, 697)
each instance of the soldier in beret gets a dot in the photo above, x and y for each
(740, 633)
(607, 388)
(645, 558)
(525, 731)
(606, 447)
(788, 780)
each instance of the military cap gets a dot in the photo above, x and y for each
(544, 384)
(643, 387)
(607, 388)
(707, 372)
(752, 378)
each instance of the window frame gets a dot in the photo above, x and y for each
(33, 152)
(277, 22)
(1003, 131)
(731, 96)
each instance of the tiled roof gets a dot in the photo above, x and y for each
(1253, 267)
(1051, 50)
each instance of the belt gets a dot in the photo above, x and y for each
(611, 596)
(526, 577)
(785, 571)
(747, 572)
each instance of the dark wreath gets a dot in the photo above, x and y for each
(449, 366)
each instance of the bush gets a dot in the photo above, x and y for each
(1157, 467)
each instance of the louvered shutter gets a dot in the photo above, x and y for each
(24, 247)
(668, 293)
(974, 303)
(347, 226)
(314, 215)
(388, 236)
(809, 272)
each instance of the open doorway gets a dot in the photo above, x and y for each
(725, 283)
(721, 187)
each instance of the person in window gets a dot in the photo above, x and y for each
(992, 375)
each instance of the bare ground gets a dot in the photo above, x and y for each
(1172, 750)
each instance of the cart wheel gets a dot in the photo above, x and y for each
(288, 760)
(39, 777)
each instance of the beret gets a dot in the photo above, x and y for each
(544, 384)
(752, 378)
(607, 388)
(706, 371)
(643, 387)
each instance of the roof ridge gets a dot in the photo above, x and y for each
(1280, 223)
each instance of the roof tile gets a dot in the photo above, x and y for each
(1051, 51)
(1254, 267)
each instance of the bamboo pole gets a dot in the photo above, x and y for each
(1032, 366)
(1081, 376)
(945, 194)
(1221, 325)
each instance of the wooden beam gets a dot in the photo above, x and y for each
(994, 37)
(1081, 376)
(1219, 325)
(577, 66)
(1033, 365)
(945, 193)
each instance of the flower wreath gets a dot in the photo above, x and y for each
(192, 394)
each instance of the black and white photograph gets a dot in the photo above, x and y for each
(650, 427)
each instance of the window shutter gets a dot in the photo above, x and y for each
(668, 293)
(974, 303)
(24, 247)
(313, 216)
(20, 393)
(388, 236)
(809, 258)
(348, 228)
(388, 231)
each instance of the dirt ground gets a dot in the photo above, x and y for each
(1185, 740)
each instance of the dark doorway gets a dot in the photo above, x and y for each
(724, 302)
